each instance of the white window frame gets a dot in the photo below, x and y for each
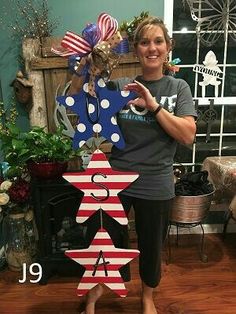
(222, 101)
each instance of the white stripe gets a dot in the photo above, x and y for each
(100, 206)
(86, 285)
(111, 248)
(102, 235)
(96, 248)
(99, 164)
(116, 286)
(110, 178)
(113, 286)
(111, 273)
(100, 192)
(106, 207)
(92, 261)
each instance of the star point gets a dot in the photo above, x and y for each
(102, 261)
(100, 184)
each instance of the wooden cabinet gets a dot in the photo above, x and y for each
(55, 204)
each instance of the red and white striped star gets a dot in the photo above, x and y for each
(100, 184)
(102, 261)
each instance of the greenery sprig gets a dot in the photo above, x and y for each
(31, 19)
(129, 27)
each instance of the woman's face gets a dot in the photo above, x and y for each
(152, 50)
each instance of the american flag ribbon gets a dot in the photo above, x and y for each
(76, 44)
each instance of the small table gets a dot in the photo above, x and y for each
(222, 174)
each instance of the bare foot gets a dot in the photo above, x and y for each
(93, 295)
(147, 300)
(149, 307)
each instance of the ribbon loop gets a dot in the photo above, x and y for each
(108, 25)
(96, 44)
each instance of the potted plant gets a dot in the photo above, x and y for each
(44, 154)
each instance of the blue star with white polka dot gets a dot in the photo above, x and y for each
(97, 115)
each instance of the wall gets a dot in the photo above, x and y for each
(73, 15)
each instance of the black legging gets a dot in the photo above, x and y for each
(151, 224)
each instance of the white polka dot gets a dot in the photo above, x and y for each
(91, 108)
(105, 103)
(70, 101)
(85, 87)
(101, 83)
(113, 120)
(125, 93)
(81, 127)
(115, 137)
(81, 143)
(97, 128)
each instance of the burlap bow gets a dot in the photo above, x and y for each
(96, 46)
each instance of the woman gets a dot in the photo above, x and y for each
(152, 124)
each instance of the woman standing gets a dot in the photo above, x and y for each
(152, 124)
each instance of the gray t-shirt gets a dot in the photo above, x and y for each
(149, 150)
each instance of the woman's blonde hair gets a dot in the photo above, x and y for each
(147, 23)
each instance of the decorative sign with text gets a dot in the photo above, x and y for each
(211, 73)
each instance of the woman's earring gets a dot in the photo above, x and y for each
(166, 60)
(166, 64)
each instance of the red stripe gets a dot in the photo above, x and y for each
(75, 43)
(122, 292)
(106, 254)
(81, 292)
(112, 267)
(98, 156)
(104, 279)
(93, 186)
(101, 242)
(91, 171)
(75, 47)
(86, 213)
(80, 40)
(108, 25)
(110, 200)
(113, 213)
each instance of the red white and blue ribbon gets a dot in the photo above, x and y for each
(93, 34)
(97, 44)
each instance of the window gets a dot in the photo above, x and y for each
(194, 41)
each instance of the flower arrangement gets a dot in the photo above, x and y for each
(14, 195)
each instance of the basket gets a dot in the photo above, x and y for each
(190, 209)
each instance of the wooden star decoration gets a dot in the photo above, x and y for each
(102, 261)
(97, 114)
(100, 184)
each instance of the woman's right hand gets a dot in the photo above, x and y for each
(146, 100)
